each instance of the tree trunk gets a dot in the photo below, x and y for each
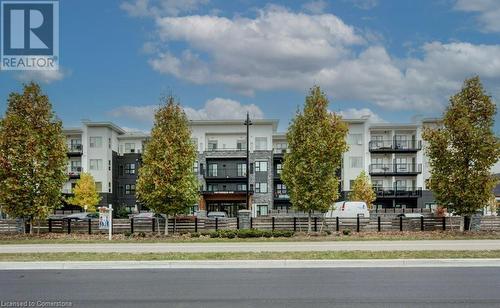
(166, 225)
(38, 227)
(309, 222)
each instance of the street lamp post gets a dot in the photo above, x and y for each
(248, 123)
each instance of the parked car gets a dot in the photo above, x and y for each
(216, 215)
(348, 209)
(82, 216)
(410, 215)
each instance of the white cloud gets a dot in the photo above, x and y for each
(280, 49)
(217, 108)
(315, 7)
(42, 76)
(156, 8)
(488, 12)
(353, 113)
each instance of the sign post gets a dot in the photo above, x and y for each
(106, 220)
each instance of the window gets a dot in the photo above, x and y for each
(130, 189)
(242, 170)
(195, 167)
(109, 165)
(377, 184)
(129, 168)
(76, 166)
(355, 139)
(95, 164)
(109, 143)
(241, 187)
(402, 164)
(260, 143)
(211, 187)
(261, 166)
(281, 189)
(75, 145)
(262, 210)
(95, 142)
(241, 144)
(129, 147)
(212, 145)
(356, 162)
(261, 188)
(280, 147)
(98, 186)
(109, 187)
(212, 169)
(279, 168)
(400, 185)
(401, 141)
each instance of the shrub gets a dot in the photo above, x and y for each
(127, 233)
(346, 232)
(141, 234)
(195, 234)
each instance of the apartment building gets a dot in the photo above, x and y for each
(391, 154)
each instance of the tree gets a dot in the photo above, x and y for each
(85, 193)
(316, 139)
(462, 151)
(33, 159)
(167, 184)
(363, 190)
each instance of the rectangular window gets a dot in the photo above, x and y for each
(241, 187)
(261, 166)
(401, 141)
(241, 145)
(130, 189)
(109, 165)
(355, 139)
(98, 186)
(260, 143)
(212, 145)
(212, 169)
(281, 189)
(95, 164)
(109, 187)
(242, 170)
(262, 210)
(129, 168)
(279, 168)
(129, 147)
(95, 142)
(109, 143)
(76, 166)
(377, 184)
(195, 167)
(211, 187)
(261, 187)
(356, 161)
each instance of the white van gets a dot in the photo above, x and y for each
(348, 209)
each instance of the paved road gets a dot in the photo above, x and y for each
(258, 246)
(367, 287)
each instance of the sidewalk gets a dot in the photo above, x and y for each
(256, 246)
(249, 264)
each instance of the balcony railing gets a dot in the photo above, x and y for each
(222, 192)
(395, 145)
(225, 173)
(395, 169)
(225, 149)
(75, 149)
(74, 172)
(281, 196)
(398, 192)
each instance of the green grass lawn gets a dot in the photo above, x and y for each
(322, 255)
(363, 236)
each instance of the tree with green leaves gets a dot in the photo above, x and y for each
(363, 190)
(33, 159)
(462, 150)
(85, 193)
(317, 141)
(167, 184)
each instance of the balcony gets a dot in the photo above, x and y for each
(225, 192)
(281, 196)
(75, 150)
(279, 152)
(395, 169)
(225, 173)
(398, 192)
(394, 146)
(74, 173)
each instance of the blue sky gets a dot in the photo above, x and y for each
(396, 60)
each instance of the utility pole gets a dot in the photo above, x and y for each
(248, 123)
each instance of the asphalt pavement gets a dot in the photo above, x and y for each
(257, 246)
(340, 287)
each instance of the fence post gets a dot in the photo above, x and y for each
(294, 223)
(315, 223)
(444, 223)
(69, 226)
(216, 223)
(132, 225)
(273, 223)
(196, 224)
(421, 223)
(357, 223)
(90, 226)
(238, 223)
(400, 223)
(251, 222)
(337, 227)
(153, 224)
(378, 224)
(50, 225)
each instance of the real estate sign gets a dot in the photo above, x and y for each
(104, 218)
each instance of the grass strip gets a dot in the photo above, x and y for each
(320, 255)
